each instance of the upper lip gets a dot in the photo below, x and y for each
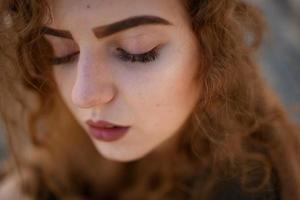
(102, 124)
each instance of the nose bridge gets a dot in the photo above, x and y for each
(94, 84)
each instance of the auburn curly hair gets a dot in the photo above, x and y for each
(237, 131)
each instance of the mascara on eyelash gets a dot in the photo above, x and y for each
(143, 57)
(64, 59)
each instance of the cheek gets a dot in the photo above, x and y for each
(163, 97)
(65, 79)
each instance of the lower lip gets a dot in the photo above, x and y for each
(108, 134)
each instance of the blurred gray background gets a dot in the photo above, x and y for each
(279, 56)
(2, 143)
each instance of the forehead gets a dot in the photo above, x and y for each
(99, 12)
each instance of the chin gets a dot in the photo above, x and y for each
(120, 156)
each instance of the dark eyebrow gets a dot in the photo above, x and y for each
(56, 32)
(107, 30)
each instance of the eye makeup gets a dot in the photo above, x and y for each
(133, 48)
(123, 55)
(143, 57)
(64, 50)
(65, 59)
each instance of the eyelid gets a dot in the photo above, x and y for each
(138, 54)
(61, 46)
(64, 59)
(138, 44)
(144, 57)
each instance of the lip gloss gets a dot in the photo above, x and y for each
(101, 131)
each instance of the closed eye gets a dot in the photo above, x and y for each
(146, 57)
(65, 59)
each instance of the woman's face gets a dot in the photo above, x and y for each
(128, 62)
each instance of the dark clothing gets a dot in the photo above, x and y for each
(225, 190)
(232, 191)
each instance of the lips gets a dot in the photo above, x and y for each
(102, 124)
(106, 131)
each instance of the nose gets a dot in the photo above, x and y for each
(94, 85)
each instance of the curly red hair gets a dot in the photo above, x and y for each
(237, 131)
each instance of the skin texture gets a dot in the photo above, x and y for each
(154, 98)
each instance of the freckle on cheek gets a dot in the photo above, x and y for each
(88, 6)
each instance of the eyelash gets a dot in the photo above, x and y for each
(149, 56)
(66, 59)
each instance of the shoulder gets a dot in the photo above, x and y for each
(10, 188)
